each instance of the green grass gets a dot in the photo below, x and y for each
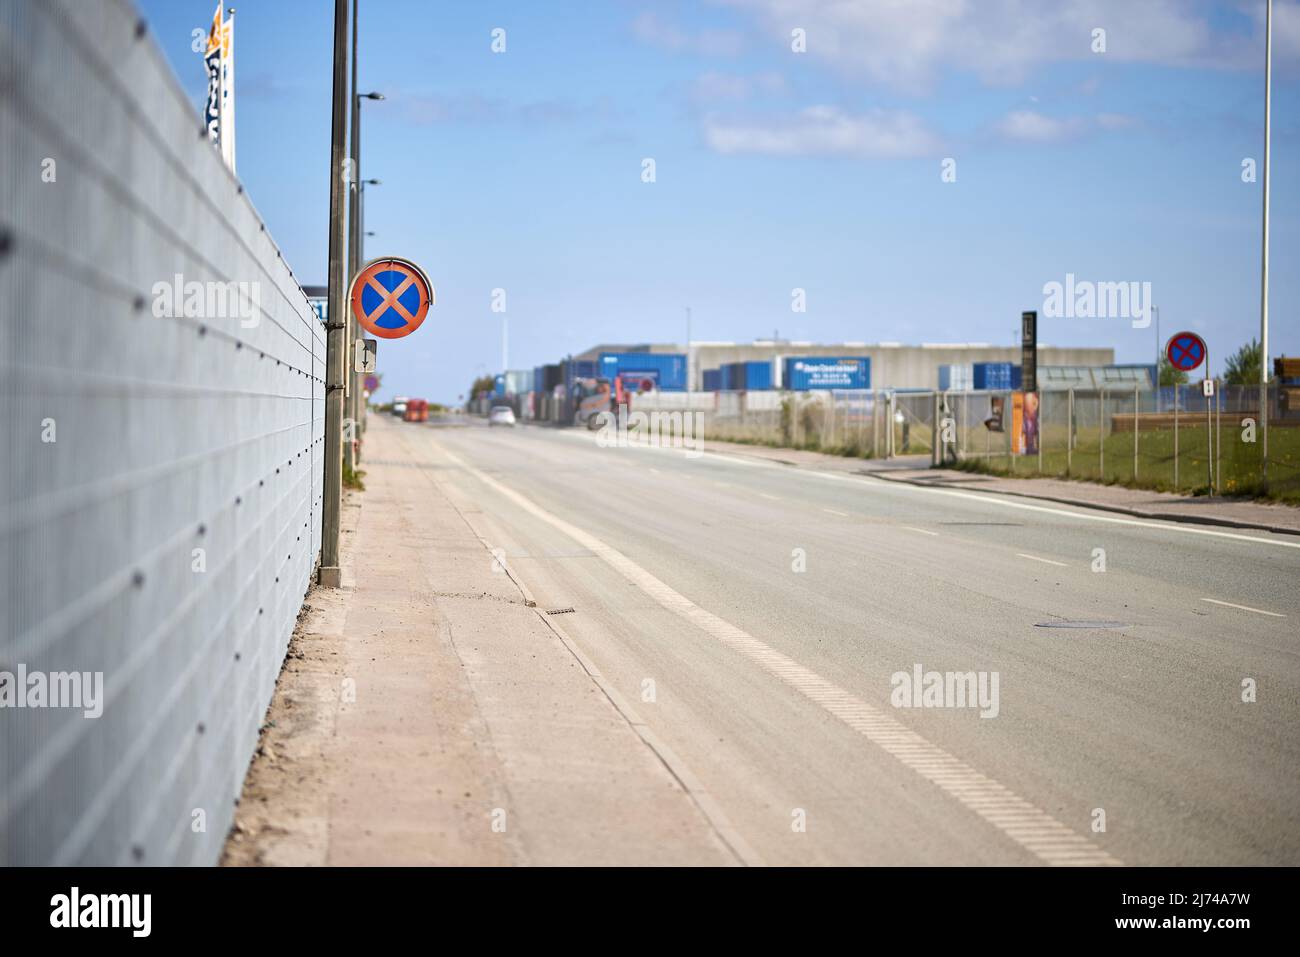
(1238, 465)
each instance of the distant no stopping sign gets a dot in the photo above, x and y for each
(1185, 351)
(390, 297)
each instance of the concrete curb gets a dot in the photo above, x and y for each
(1183, 517)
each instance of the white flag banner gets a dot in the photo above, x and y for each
(212, 64)
(228, 89)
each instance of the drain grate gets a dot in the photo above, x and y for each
(559, 611)
(987, 524)
(1097, 625)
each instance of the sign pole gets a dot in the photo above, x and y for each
(337, 317)
(1263, 294)
(1209, 424)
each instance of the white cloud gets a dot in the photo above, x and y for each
(1030, 126)
(715, 87)
(649, 28)
(824, 131)
(905, 43)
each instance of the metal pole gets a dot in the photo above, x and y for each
(1156, 385)
(1136, 428)
(1209, 426)
(354, 243)
(1101, 441)
(1263, 295)
(936, 437)
(336, 326)
(1041, 417)
(1069, 433)
(1218, 437)
(875, 426)
(1176, 391)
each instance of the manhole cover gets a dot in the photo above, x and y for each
(1065, 623)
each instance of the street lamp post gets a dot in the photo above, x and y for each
(356, 405)
(361, 254)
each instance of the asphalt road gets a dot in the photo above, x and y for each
(756, 614)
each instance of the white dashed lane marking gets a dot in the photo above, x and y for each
(1045, 561)
(1258, 611)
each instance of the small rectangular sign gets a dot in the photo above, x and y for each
(1207, 387)
(364, 355)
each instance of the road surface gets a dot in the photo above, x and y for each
(755, 616)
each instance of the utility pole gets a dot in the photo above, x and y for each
(354, 247)
(505, 342)
(1263, 293)
(336, 325)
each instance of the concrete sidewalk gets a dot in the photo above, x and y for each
(427, 714)
(1141, 503)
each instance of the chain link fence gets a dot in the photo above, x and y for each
(1171, 439)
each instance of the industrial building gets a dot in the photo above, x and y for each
(545, 392)
(892, 365)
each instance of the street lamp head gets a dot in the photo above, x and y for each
(375, 182)
(372, 96)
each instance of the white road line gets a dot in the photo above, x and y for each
(835, 512)
(1027, 825)
(772, 497)
(1082, 514)
(923, 531)
(1045, 561)
(1258, 611)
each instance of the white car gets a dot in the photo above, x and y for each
(501, 415)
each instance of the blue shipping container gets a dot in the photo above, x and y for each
(992, 375)
(666, 369)
(712, 380)
(758, 375)
(827, 372)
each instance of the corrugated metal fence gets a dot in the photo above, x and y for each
(162, 458)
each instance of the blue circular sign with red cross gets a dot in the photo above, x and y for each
(1185, 351)
(390, 297)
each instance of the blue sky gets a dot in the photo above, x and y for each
(778, 170)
